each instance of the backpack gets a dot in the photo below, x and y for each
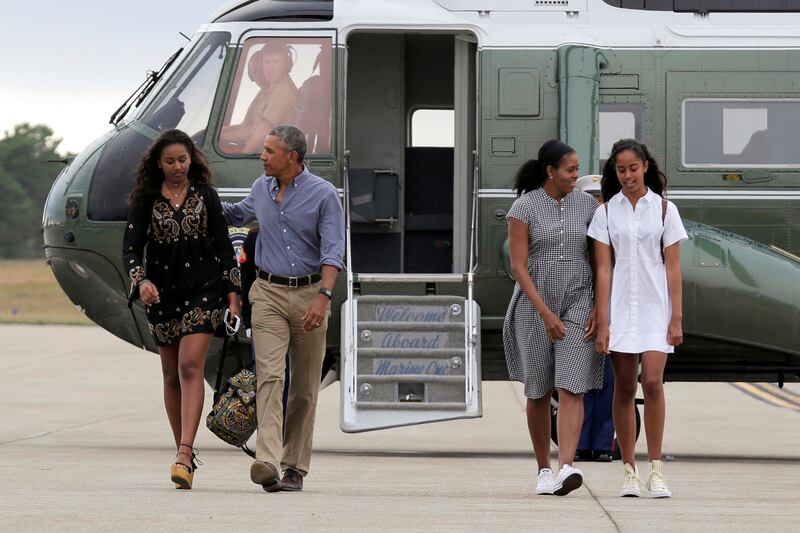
(233, 416)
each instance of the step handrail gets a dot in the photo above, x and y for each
(350, 338)
(409, 278)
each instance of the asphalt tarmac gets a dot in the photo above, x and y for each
(85, 445)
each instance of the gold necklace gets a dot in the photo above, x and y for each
(177, 194)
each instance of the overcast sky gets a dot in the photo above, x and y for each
(70, 64)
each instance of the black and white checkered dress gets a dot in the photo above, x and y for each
(559, 267)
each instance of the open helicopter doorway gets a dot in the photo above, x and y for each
(410, 133)
(410, 327)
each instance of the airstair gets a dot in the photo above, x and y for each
(408, 358)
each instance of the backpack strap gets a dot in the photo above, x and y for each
(663, 216)
(613, 259)
(219, 368)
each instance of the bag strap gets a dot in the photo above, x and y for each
(237, 347)
(222, 357)
(663, 216)
(608, 229)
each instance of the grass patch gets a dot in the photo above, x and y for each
(30, 294)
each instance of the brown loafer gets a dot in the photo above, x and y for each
(266, 475)
(292, 480)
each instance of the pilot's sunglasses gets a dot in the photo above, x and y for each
(231, 327)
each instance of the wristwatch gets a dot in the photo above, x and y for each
(326, 292)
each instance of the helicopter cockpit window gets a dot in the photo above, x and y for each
(185, 102)
(280, 80)
(762, 133)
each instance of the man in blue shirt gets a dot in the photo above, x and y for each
(299, 252)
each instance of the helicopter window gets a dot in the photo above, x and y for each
(288, 81)
(741, 133)
(619, 121)
(185, 102)
(433, 127)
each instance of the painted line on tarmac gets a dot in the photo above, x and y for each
(769, 394)
(783, 393)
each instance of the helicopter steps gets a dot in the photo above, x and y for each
(411, 359)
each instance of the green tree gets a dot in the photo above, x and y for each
(25, 179)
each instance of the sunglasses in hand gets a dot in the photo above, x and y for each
(231, 325)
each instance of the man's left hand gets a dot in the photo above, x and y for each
(316, 313)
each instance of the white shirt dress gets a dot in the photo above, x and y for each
(640, 307)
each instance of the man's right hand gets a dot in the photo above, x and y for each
(149, 293)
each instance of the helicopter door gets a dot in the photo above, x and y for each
(410, 325)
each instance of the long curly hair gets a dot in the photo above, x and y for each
(149, 176)
(533, 173)
(653, 178)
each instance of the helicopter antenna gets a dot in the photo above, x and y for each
(184, 36)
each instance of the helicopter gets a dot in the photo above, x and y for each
(711, 87)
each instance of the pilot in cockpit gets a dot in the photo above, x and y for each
(273, 105)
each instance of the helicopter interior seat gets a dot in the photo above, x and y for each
(313, 106)
(373, 195)
(374, 202)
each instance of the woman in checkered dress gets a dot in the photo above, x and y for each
(550, 320)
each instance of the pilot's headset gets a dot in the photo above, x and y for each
(286, 50)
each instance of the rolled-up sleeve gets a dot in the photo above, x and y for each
(240, 213)
(331, 231)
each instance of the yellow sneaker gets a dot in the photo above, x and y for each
(630, 485)
(656, 483)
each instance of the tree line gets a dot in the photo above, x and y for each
(27, 172)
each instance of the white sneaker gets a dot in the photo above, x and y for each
(544, 481)
(567, 480)
(656, 483)
(630, 486)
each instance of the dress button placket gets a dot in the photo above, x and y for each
(634, 270)
(561, 255)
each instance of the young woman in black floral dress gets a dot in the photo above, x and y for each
(186, 282)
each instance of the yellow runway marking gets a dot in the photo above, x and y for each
(770, 394)
(782, 393)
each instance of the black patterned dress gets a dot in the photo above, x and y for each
(189, 258)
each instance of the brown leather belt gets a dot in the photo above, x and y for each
(299, 281)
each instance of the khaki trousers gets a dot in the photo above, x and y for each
(277, 312)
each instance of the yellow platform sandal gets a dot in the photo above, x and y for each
(182, 474)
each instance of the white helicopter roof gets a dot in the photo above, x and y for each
(526, 23)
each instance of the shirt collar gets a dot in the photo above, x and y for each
(649, 197)
(296, 182)
(543, 194)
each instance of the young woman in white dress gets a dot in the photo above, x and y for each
(637, 237)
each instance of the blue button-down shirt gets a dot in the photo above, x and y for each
(298, 234)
